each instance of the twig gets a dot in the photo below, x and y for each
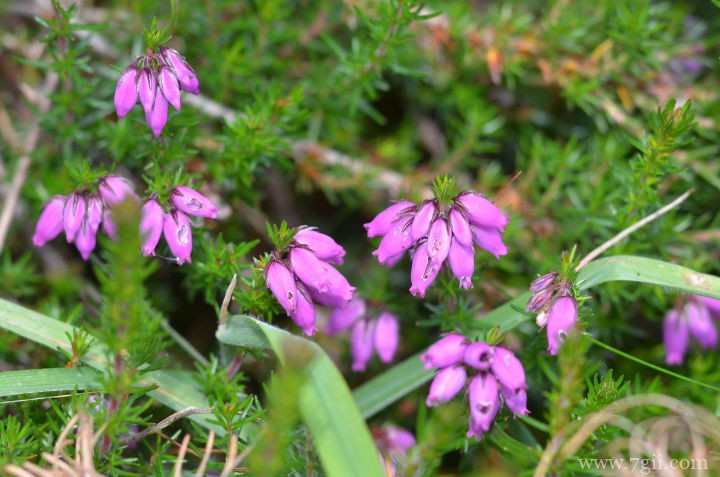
(177, 468)
(226, 300)
(592, 255)
(206, 455)
(188, 411)
(231, 455)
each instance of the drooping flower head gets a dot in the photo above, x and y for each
(557, 308)
(300, 273)
(492, 375)
(156, 79)
(692, 317)
(393, 443)
(434, 234)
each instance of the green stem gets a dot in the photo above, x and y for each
(650, 365)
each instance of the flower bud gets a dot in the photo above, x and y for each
(449, 350)
(185, 74)
(386, 336)
(126, 92)
(479, 356)
(309, 269)
(543, 281)
(323, 246)
(304, 313)
(490, 240)
(50, 223)
(73, 215)
(114, 189)
(422, 272)
(342, 319)
(508, 369)
(385, 220)
(394, 243)
(281, 283)
(462, 262)
(460, 226)
(156, 116)
(675, 337)
(178, 235)
(712, 304)
(422, 220)
(446, 384)
(480, 211)
(147, 88)
(361, 344)
(700, 324)
(539, 299)
(168, 83)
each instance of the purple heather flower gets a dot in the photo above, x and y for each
(489, 239)
(539, 299)
(700, 325)
(481, 212)
(304, 313)
(386, 336)
(462, 262)
(50, 223)
(108, 224)
(342, 319)
(423, 219)
(73, 215)
(147, 89)
(543, 282)
(156, 117)
(394, 243)
(447, 351)
(312, 271)
(338, 291)
(168, 83)
(126, 93)
(385, 220)
(186, 76)
(515, 400)
(712, 304)
(479, 356)
(422, 272)
(281, 282)
(398, 439)
(178, 235)
(675, 337)
(562, 315)
(193, 202)
(446, 384)
(323, 246)
(508, 369)
(114, 189)
(484, 404)
(361, 344)
(85, 240)
(151, 226)
(438, 242)
(460, 227)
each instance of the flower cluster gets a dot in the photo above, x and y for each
(557, 308)
(302, 274)
(156, 79)
(379, 334)
(492, 371)
(81, 214)
(175, 224)
(393, 442)
(693, 318)
(435, 235)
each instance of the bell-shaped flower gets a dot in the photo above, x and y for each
(312, 271)
(108, 224)
(515, 400)
(85, 240)
(395, 242)
(479, 356)
(462, 262)
(73, 214)
(448, 350)
(178, 235)
(168, 83)
(193, 202)
(438, 242)
(50, 223)
(342, 319)
(700, 324)
(712, 304)
(386, 336)
(539, 299)
(490, 240)
(508, 369)
(398, 439)
(422, 272)
(481, 212)
(185, 74)
(448, 382)
(385, 220)
(423, 219)
(460, 226)
(676, 337)
(281, 282)
(126, 91)
(361, 344)
(323, 246)
(147, 89)
(484, 400)
(114, 189)
(151, 226)
(562, 315)
(304, 313)
(156, 116)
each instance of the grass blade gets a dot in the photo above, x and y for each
(32, 381)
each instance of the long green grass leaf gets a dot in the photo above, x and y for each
(33, 381)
